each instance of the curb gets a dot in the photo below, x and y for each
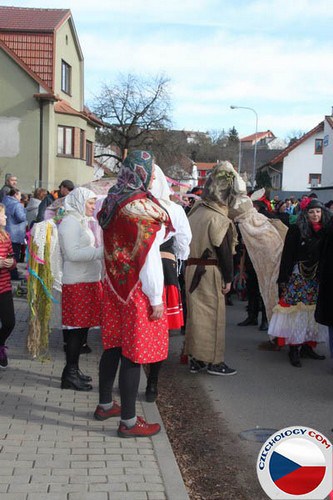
(170, 472)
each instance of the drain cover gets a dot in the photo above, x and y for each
(257, 434)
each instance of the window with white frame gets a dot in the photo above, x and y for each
(314, 180)
(66, 76)
(65, 141)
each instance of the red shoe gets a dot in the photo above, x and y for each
(140, 429)
(101, 414)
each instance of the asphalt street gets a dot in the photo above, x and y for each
(267, 392)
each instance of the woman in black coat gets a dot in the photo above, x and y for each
(324, 308)
(293, 321)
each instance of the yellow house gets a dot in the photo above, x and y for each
(46, 133)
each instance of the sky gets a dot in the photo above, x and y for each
(274, 57)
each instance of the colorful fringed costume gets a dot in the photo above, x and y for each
(44, 267)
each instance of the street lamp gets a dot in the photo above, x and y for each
(255, 143)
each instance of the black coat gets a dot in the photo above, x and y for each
(48, 200)
(296, 249)
(324, 309)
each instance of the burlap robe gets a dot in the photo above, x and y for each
(205, 322)
(264, 239)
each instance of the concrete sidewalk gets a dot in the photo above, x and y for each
(51, 448)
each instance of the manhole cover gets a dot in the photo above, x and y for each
(259, 435)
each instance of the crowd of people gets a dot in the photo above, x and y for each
(149, 267)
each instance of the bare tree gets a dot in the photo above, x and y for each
(131, 108)
(169, 147)
(293, 136)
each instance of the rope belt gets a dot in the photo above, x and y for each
(202, 262)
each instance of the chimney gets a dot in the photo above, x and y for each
(332, 111)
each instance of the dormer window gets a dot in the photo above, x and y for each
(66, 76)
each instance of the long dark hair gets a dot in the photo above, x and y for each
(305, 226)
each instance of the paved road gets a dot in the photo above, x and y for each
(268, 392)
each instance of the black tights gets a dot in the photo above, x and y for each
(154, 370)
(7, 316)
(74, 341)
(129, 379)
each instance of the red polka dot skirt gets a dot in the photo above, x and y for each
(82, 304)
(128, 326)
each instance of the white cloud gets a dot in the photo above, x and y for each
(188, 12)
(220, 67)
(273, 56)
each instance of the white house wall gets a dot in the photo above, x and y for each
(301, 162)
(327, 176)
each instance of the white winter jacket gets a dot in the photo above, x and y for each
(82, 261)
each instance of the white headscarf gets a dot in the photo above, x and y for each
(160, 188)
(75, 202)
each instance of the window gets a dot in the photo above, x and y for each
(82, 143)
(66, 75)
(89, 153)
(65, 141)
(314, 180)
(318, 146)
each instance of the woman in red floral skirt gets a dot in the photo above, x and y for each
(82, 287)
(134, 323)
(175, 248)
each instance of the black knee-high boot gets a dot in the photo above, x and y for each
(152, 381)
(85, 349)
(264, 323)
(65, 337)
(294, 356)
(72, 377)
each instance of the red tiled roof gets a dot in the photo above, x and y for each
(24, 66)
(259, 135)
(29, 34)
(65, 108)
(35, 50)
(37, 20)
(92, 117)
(295, 144)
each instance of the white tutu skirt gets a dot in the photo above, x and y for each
(296, 324)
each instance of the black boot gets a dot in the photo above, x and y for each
(85, 349)
(82, 376)
(70, 380)
(65, 338)
(294, 356)
(263, 326)
(228, 300)
(151, 391)
(250, 320)
(264, 323)
(308, 352)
